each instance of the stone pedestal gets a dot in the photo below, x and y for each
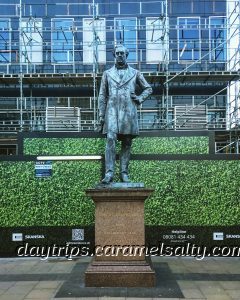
(119, 239)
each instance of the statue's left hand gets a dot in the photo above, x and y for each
(101, 121)
(136, 98)
(99, 127)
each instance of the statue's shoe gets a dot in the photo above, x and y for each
(107, 179)
(125, 178)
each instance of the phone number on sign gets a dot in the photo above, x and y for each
(178, 236)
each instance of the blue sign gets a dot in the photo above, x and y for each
(43, 169)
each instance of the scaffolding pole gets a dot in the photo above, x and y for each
(20, 65)
(95, 62)
(166, 65)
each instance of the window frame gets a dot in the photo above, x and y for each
(103, 61)
(136, 35)
(224, 47)
(199, 39)
(163, 46)
(53, 30)
(9, 50)
(22, 41)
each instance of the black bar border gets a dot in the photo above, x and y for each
(91, 134)
(157, 157)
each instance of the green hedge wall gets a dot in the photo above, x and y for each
(144, 145)
(187, 192)
(57, 200)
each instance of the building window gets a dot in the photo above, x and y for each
(189, 39)
(62, 41)
(32, 41)
(156, 40)
(5, 41)
(126, 34)
(217, 37)
(94, 37)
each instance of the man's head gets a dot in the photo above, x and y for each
(120, 54)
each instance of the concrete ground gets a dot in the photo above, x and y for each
(177, 278)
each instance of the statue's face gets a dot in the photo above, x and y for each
(120, 56)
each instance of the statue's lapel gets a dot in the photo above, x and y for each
(114, 74)
(129, 74)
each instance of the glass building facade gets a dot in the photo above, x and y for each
(52, 55)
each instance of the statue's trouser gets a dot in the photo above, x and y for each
(110, 153)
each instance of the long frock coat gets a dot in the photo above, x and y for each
(115, 103)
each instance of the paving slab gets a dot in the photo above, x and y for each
(177, 278)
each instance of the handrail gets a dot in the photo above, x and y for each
(216, 151)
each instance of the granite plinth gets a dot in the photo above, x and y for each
(119, 220)
(119, 238)
(120, 274)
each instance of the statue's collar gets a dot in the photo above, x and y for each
(121, 67)
(128, 75)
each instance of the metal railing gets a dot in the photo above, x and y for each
(75, 119)
(228, 147)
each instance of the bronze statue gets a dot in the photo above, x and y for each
(118, 111)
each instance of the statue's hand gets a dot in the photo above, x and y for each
(136, 98)
(101, 120)
(100, 124)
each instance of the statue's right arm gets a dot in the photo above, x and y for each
(102, 98)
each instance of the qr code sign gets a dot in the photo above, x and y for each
(77, 234)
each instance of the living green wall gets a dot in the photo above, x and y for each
(143, 145)
(190, 192)
(187, 192)
(57, 200)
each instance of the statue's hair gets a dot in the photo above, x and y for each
(122, 46)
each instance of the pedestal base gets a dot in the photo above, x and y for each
(119, 274)
(119, 225)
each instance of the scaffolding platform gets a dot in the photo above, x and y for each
(87, 78)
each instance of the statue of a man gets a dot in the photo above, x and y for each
(117, 105)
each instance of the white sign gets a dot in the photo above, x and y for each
(17, 237)
(218, 236)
